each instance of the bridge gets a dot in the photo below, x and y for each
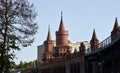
(103, 57)
(106, 57)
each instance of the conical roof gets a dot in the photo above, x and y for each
(116, 25)
(61, 27)
(49, 34)
(94, 37)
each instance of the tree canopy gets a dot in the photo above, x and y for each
(17, 28)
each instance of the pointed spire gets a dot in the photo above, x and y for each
(94, 37)
(61, 27)
(49, 35)
(61, 14)
(116, 25)
(94, 41)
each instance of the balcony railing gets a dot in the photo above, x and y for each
(104, 44)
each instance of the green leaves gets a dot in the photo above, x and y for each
(27, 64)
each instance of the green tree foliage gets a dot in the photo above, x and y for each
(13, 65)
(27, 64)
(17, 28)
(36, 62)
(21, 64)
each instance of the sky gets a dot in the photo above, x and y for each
(80, 18)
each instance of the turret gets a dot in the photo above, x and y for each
(61, 34)
(49, 43)
(116, 30)
(94, 41)
(61, 40)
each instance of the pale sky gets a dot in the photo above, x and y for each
(80, 18)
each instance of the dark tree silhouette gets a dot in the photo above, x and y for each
(17, 28)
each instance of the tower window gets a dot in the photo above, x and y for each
(60, 54)
(64, 54)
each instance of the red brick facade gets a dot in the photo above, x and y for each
(66, 62)
(49, 44)
(62, 45)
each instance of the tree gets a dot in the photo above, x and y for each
(36, 62)
(21, 64)
(17, 29)
(13, 65)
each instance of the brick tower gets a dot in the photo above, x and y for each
(94, 41)
(61, 34)
(61, 40)
(49, 43)
(116, 30)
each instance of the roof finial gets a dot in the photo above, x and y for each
(48, 27)
(61, 14)
(49, 35)
(94, 30)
